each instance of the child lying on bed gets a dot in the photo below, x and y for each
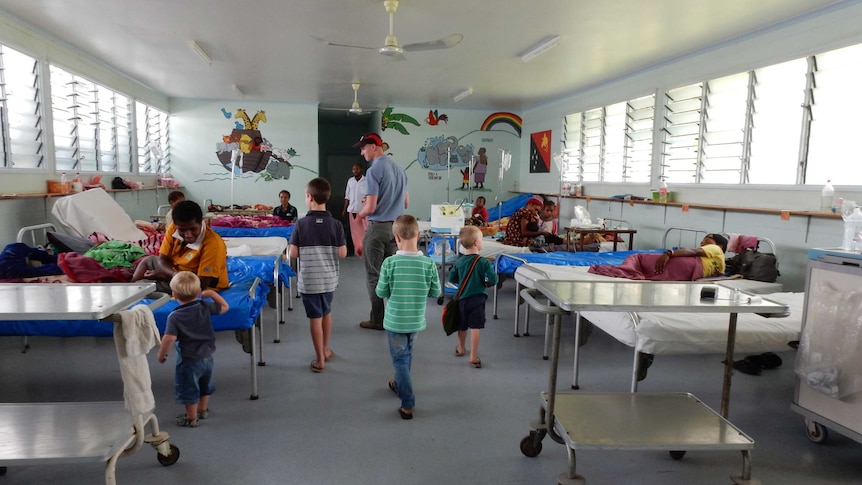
(672, 265)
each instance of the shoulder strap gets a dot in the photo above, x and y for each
(467, 276)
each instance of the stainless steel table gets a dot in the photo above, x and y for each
(53, 433)
(618, 419)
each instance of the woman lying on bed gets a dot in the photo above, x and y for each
(672, 265)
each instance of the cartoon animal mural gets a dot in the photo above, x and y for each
(433, 154)
(433, 119)
(248, 151)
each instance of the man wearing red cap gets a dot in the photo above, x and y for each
(386, 199)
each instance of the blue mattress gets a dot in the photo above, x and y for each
(242, 270)
(279, 231)
(509, 207)
(243, 312)
(507, 264)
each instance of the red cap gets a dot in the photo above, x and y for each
(535, 200)
(368, 139)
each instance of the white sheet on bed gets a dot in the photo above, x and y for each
(683, 333)
(95, 211)
(698, 333)
(255, 246)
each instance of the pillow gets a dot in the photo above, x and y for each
(69, 244)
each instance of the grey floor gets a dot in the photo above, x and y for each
(342, 426)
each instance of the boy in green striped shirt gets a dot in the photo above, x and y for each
(407, 280)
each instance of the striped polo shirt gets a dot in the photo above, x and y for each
(407, 279)
(318, 236)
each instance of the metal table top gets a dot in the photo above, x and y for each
(650, 296)
(71, 301)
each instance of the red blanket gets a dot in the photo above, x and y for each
(641, 266)
(83, 269)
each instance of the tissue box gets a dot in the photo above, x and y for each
(446, 218)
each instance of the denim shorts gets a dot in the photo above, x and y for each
(317, 305)
(193, 380)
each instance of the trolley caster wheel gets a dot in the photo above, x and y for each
(530, 447)
(676, 455)
(439, 300)
(815, 431)
(171, 458)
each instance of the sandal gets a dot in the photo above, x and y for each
(315, 367)
(393, 387)
(329, 356)
(404, 414)
(459, 354)
(185, 422)
(203, 413)
(477, 364)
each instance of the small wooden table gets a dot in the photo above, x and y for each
(582, 231)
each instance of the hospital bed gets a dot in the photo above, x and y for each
(679, 333)
(247, 296)
(62, 433)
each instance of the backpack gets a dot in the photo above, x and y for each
(754, 266)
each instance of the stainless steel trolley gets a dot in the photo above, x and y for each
(55, 433)
(637, 421)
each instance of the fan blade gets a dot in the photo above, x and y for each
(324, 41)
(444, 43)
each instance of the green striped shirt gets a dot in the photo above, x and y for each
(407, 280)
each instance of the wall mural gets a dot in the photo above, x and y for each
(396, 121)
(246, 153)
(441, 153)
(433, 119)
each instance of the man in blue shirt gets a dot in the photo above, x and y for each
(386, 200)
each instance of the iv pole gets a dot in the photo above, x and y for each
(448, 173)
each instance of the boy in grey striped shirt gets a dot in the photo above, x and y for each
(407, 279)
(318, 241)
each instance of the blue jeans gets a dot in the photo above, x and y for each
(401, 350)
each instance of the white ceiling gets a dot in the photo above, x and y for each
(266, 47)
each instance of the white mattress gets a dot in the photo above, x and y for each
(255, 246)
(696, 333)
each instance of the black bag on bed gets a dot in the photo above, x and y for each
(754, 266)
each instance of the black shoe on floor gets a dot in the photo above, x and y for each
(370, 325)
(644, 361)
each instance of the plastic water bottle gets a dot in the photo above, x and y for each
(826, 196)
(579, 189)
(77, 185)
(63, 178)
(662, 192)
(853, 231)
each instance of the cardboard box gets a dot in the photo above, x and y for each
(57, 187)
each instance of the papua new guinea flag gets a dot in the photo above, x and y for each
(540, 152)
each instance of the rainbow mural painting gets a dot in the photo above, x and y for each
(510, 119)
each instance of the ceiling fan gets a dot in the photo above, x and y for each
(390, 45)
(354, 108)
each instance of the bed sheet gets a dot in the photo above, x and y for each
(508, 265)
(255, 246)
(242, 315)
(697, 333)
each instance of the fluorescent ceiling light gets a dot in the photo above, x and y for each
(540, 48)
(201, 52)
(237, 90)
(463, 94)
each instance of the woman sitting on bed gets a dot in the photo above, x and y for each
(523, 226)
(672, 265)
